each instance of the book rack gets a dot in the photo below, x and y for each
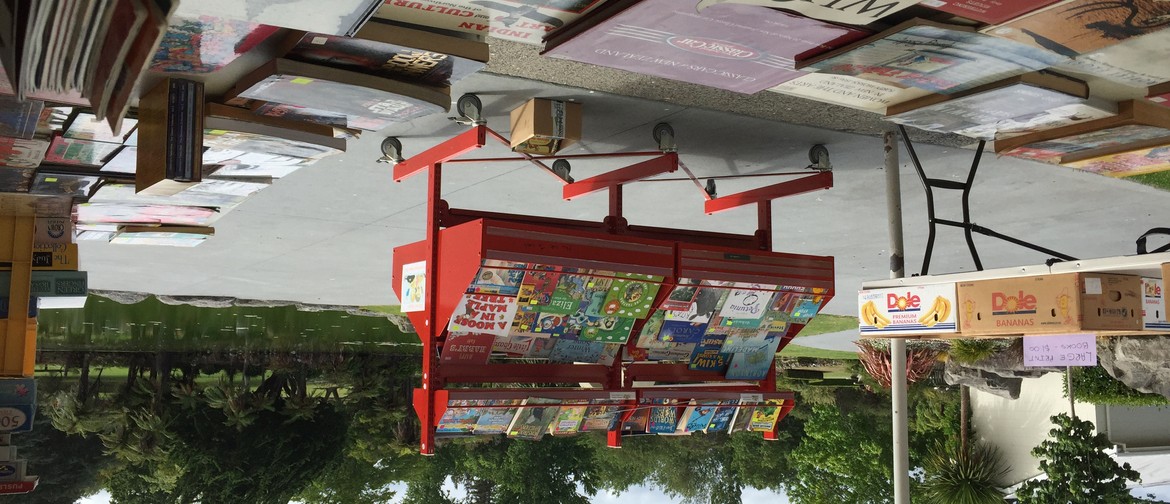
(458, 242)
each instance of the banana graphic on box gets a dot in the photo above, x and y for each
(873, 317)
(938, 312)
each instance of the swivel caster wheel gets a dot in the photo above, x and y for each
(561, 169)
(470, 110)
(664, 135)
(391, 151)
(818, 155)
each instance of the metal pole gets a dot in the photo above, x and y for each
(897, 345)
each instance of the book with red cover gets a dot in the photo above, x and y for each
(741, 48)
(472, 348)
(203, 44)
(988, 11)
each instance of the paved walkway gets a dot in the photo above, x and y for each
(841, 341)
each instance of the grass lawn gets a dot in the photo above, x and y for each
(793, 350)
(387, 309)
(825, 323)
(1161, 180)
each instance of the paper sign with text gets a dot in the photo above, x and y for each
(414, 287)
(484, 313)
(1060, 350)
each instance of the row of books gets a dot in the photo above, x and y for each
(533, 418)
(575, 315)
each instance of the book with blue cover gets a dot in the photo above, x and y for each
(709, 355)
(721, 420)
(700, 416)
(576, 351)
(498, 277)
(663, 419)
(753, 365)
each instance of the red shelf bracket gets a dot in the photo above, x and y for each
(823, 180)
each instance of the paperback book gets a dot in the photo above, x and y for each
(631, 295)
(471, 348)
(498, 277)
(1076, 27)
(766, 416)
(523, 21)
(533, 419)
(568, 419)
(538, 285)
(600, 418)
(709, 355)
(460, 417)
(204, 44)
(699, 416)
(755, 365)
(483, 313)
(496, 420)
(663, 419)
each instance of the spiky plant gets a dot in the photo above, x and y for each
(965, 477)
(968, 351)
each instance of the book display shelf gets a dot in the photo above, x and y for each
(610, 321)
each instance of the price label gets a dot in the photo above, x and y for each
(13, 419)
(751, 398)
(1060, 350)
(623, 396)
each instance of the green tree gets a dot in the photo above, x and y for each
(845, 457)
(68, 466)
(1078, 469)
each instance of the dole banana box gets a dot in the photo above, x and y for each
(1165, 299)
(1153, 306)
(919, 309)
(1051, 304)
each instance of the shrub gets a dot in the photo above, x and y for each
(1094, 385)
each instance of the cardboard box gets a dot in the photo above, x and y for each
(1051, 304)
(920, 309)
(544, 127)
(1165, 275)
(1153, 306)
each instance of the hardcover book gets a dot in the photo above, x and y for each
(204, 44)
(340, 91)
(498, 277)
(932, 56)
(631, 295)
(1138, 124)
(747, 301)
(533, 419)
(700, 416)
(460, 417)
(600, 418)
(988, 11)
(483, 313)
(680, 327)
(795, 307)
(496, 420)
(682, 297)
(19, 153)
(395, 52)
(570, 291)
(608, 329)
(639, 421)
(709, 355)
(766, 416)
(471, 348)
(524, 21)
(69, 151)
(1074, 27)
(338, 17)
(672, 352)
(538, 285)
(663, 419)
(753, 365)
(648, 338)
(588, 352)
(721, 420)
(741, 48)
(18, 119)
(568, 419)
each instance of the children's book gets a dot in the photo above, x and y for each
(460, 417)
(681, 327)
(515, 346)
(700, 416)
(538, 285)
(766, 416)
(663, 419)
(721, 420)
(600, 418)
(576, 351)
(682, 297)
(639, 421)
(709, 356)
(741, 420)
(469, 348)
(496, 420)
(484, 313)
(609, 329)
(648, 338)
(609, 353)
(745, 341)
(747, 301)
(570, 291)
(631, 295)
(533, 419)
(674, 352)
(541, 348)
(796, 307)
(753, 365)
(69, 151)
(498, 277)
(568, 419)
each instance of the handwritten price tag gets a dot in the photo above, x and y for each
(1060, 350)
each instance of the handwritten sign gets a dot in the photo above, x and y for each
(484, 313)
(414, 287)
(1060, 350)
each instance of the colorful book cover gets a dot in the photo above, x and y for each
(384, 59)
(631, 295)
(741, 420)
(460, 417)
(609, 353)
(552, 325)
(979, 115)
(1052, 150)
(721, 420)
(570, 291)
(663, 419)
(85, 126)
(524, 21)
(541, 348)
(19, 153)
(533, 419)
(286, 81)
(367, 122)
(64, 184)
(576, 351)
(709, 355)
(337, 17)
(524, 323)
(1127, 164)
(747, 301)
(766, 416)
(853, 13)
(988, 11)
(483, 313)
(568, 419)
(638, 422)
(498, 277)
(796, 308)
(252, 142)
(472, 348)
(682, 297)
(596, 291)
(496, 420)
(752, 340)
(648, 338)
(608, 329)
(741, 48)
(204, 44)
(1081, 26)
(700, 417)
(16, 179)
(145, 214)
(673, 352)
(538, 285)
(69, 151)
(18, 119)
(754, 365)
(518, 346)
(936, 58)
(600, 418)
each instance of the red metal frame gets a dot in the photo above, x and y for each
(459, 240)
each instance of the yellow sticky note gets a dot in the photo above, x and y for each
(301, 80)
(217, 132)
(50, 179)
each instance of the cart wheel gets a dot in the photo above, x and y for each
(818, 155)
(561, 169)
(391, 151)
(664, 135)
(470, 107)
